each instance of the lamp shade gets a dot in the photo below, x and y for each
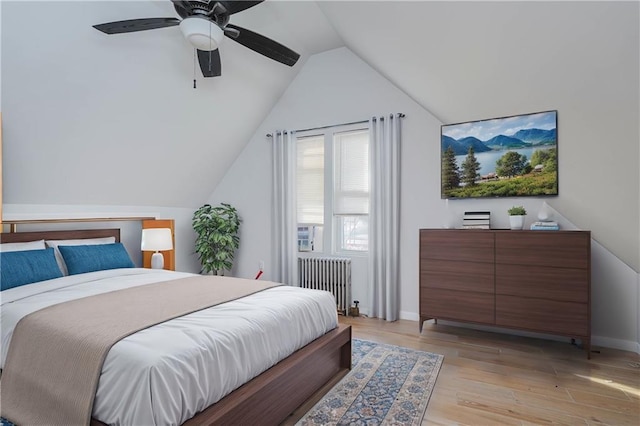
(156, 239)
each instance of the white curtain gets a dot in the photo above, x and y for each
(284, 229)
(384, 217)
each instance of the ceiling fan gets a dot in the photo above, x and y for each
(204, 23)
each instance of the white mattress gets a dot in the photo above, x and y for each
(167, 373)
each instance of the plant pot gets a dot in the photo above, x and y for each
(516, 222)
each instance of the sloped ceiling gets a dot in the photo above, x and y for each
(475, 59)
(115, 120)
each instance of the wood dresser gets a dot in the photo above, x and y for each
(536, 281)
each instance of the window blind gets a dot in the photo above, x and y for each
(310, 180)
(351, 173)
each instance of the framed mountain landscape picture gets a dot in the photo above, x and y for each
(511, 156)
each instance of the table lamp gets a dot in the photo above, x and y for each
(156, 239)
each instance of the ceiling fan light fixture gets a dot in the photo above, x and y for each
(202, 33)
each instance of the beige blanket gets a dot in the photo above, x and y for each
(56, 354)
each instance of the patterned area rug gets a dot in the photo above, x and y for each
(388, 385)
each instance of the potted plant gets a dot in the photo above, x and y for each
(516, 217)
(217, 240)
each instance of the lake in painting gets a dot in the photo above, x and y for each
(488, 159)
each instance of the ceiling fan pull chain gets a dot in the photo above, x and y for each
(210, 38)
(194, 68)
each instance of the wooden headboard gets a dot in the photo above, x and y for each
(21, 237)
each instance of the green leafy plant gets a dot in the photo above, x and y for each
(470, 168)
(539, 184)
(517, 211)
(511, 164)
(450, 171)
(217, 240)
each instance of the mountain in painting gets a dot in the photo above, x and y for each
(506, 142)
(524, 138)
(537, 136)
(461, 146)
(477, 144)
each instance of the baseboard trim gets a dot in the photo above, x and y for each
(606, 342)
(609, 342)
(411, 316)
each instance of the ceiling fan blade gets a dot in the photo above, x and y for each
(231, 32)
(238, 6)
(182, 7)
(182, 3)
(265, 46)
(210, 63)
(133, 25)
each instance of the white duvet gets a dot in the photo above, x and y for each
(167, 373)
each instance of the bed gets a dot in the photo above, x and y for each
(267, 398)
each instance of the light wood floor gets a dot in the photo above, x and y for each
(499, 379)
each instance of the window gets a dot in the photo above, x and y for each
(310, 192)
(332, 184)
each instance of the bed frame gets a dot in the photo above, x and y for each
(269, 398)
(23, 237)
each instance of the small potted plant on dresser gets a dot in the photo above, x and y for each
(516, 217)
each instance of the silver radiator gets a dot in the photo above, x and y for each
(332, 274)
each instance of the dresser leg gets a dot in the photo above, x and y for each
(423, 319)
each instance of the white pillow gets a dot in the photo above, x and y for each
(80, 242)
(31, 245)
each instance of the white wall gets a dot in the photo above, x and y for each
(336, 87)
(130, 231)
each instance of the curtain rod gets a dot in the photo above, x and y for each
(269, 135)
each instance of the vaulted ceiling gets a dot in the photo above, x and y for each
(96, 119)
(466, 60)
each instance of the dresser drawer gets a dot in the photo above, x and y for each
(545, 316)
(544, 248)
(457, 305)
(562, 284)
(454, 275)
(457, 245)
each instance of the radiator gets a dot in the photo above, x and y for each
(332, 274)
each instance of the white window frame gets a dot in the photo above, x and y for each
(330, 231)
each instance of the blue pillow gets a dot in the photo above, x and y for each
(25, 267)
(95, 257)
